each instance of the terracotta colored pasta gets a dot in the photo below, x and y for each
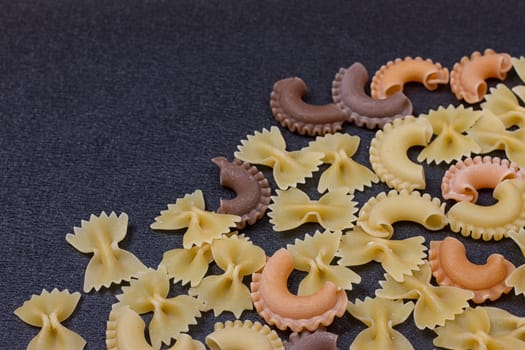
(237, 257)
(109, 264)
(434, 305)
(380, 316)
(125, 331)
(504, 104)
(462, 180)
(343, 172)
(243, 335)
(490, 133)
(388, 153)
(467, 79)
(482, 328)
(348, 93)
(318, 340)
(289, 109)
(274, 302)
(517, 278)
(251, 188)
(379, 213)
(493, 221)
(397, 257)
(47, 311)
(269, 148)
(451, 267)
(189, 212)
(451, 143)
(314, 255)
(292, 208)
(171, 316)
(391, 78)
(187, 265)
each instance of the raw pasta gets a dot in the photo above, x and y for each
(503, 104)
(517, 278)
(187, 265)
(243, 335)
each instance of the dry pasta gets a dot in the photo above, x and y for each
(243, 335)
(187, 265)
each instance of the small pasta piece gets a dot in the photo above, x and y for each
(171, 316)
(388, 153)
(397, 257)
(291, 208)
(313, 255)
(189, 212)
(279, 307)
(391, 78)
(451, 267)
(493, 221)
(504, 104)
(243, 335)
(519, 66)
(379, 213)
(516, 280)
(434, 305)
(47, 311)
(109, 264)
(317, 340)
(451, 143)
(237, 257)
(187, 265)
(380, 316)
(467, 79)
(269, 148)
(344, 172)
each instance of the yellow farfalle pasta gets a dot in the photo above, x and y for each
(269, 148)
(449, 125)
(171, 316)
(291, 208)
(493, 221)
(519, 66)
(109, 264)
(203, 226)
(486, 328)
(434, 305)
(47, 311)
(314, 255)
(237, 257)
(187, 265)
(380, 315)
(343, 172)
(397, 257)
(243, 335)
(503, 104)
(517, 277)
(379, 213)
(490, 133)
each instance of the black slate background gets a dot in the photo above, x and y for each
(120, 105)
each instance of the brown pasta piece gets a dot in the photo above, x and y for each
(318, 340)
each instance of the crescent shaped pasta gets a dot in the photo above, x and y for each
(388, 153)
(504, 104)
(274, 302)
(109, 264)
(268, 148)
(391, 78)
(237, 257)
(493, 221)
(451, 267)
(317, 340)
(314, 255)
(187, 265)
(517, 279)
(397, 257)
(467, 79)
(47, 311)
(291, 208)
(125, 331)
(348, 93)
(462, 180)
(451, 143)
(343, 172)
(171, 316)
(380, 316)
(434, 305)
(189, 212)
(252, 191)
(243, 335)
(379, 213)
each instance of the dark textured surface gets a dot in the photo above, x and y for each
(120, 105)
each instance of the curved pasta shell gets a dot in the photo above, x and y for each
(243, 335)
